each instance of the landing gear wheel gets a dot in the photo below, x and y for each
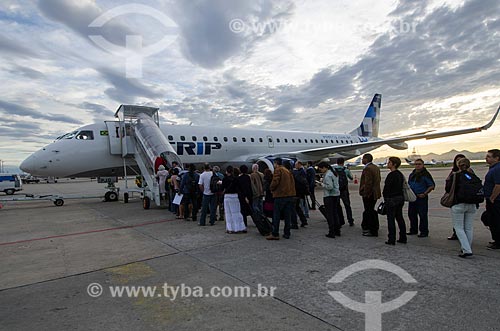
(113, 196)
(9, 191)
(146, 203)
(59, 202)
(110, 196)
(125, 197)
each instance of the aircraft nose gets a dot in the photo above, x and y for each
(29, 164)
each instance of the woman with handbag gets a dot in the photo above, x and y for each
(394, 202)
(463, 209)
(453, 170)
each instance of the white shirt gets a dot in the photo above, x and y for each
(205, 181)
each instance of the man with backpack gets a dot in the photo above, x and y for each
(208, 202)
(189, 188)
(344, 176)
(301, 190)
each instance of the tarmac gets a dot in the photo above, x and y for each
(50, 256)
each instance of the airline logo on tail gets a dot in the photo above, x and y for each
(369, 126)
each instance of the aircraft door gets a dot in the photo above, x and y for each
(270, 141)
(114, 137)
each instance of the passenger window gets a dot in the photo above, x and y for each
(183, 138)
(337, 141)
(244, 139)
(270, 140)
(261, 140)
(225, 139)
(341, 141)
(278, 140)
(252, 140)
(170, 138)
(205, 139)
(194, 138)
(293, 141)
(286, 140)
(305, 141)
(85, 135)
(216, 139)
(235, 139)
(317, 141)
(300, 141)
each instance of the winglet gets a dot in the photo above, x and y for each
(490, 123)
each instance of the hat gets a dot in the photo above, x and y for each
(161, 167)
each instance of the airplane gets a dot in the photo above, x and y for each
(353, 164)
(96, 150)
(431, 162)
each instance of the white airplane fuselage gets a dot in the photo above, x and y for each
(72, 157)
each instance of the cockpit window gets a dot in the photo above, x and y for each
(70, 135)
(85, 135)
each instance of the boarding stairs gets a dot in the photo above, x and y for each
(142, 140)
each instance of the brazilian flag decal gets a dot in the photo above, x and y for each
(104, 133)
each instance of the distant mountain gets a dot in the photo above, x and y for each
(446, 156)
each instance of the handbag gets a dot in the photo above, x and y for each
(408, 193)
(382, 208)
(449, 197)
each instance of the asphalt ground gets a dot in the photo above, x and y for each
(50, 255)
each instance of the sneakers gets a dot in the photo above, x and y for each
(286, 236)
(464, 255)
(329, 235)
(271, 237)
(493, 246)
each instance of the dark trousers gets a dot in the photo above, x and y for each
(395, 214)
(298, 212)
(332, 216)
(313, 196)
(494, 210)
(370, 222)
(282, 206)
(344, 196)
(416, 210)
(190, 198)
(208, 203)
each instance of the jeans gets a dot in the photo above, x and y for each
(298, 212)
(463, 219)
(344, 196)
(305, 208)
(370, 224)
(257, 206)
(282, 206)
(395, 214)
(419, 208)
(208, 202)
(494, 210)
(332, 216)
(190, 198)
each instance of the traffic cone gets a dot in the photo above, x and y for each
(355, 179)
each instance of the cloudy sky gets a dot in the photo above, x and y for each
(288, 64)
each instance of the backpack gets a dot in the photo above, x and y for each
(301, 185)
(469, 188)
(214, 187)
(191, 183)
(343, 181)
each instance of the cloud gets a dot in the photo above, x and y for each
(126, 90)
(78, 15)
(206, 38)
(19, 110)
(15, 48)
(26, 72)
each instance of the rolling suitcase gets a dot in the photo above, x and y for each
(322, 209)
(263, 224)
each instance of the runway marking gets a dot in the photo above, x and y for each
(87, 232)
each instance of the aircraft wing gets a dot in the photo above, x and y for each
(390, 141)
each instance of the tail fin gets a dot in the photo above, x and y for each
(369, 126)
